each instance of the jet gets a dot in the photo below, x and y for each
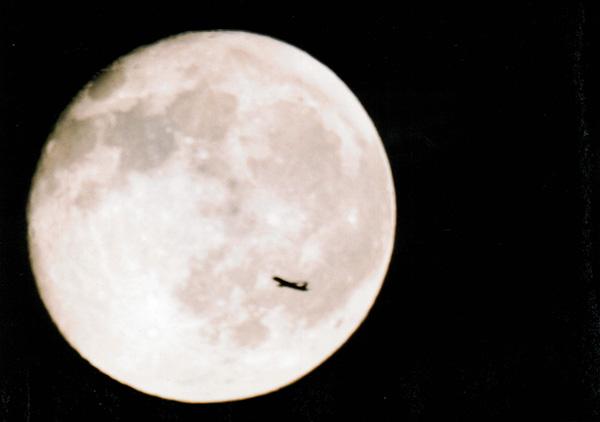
(292, 285)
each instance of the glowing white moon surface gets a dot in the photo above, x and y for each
(173, 189)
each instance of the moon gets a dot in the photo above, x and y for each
(173, 189)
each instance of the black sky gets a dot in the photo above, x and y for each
(490, 307)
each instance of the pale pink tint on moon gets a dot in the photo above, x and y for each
(178, 184)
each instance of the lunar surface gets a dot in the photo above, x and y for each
(174, 188)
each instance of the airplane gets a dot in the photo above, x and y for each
(292, 285)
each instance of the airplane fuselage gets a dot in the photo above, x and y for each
(292, 285)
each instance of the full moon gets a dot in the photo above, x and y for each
(173, 190)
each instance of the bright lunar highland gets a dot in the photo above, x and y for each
(174, 188)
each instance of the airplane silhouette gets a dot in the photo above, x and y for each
(292, 285)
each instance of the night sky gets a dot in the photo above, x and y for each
(490, 309)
